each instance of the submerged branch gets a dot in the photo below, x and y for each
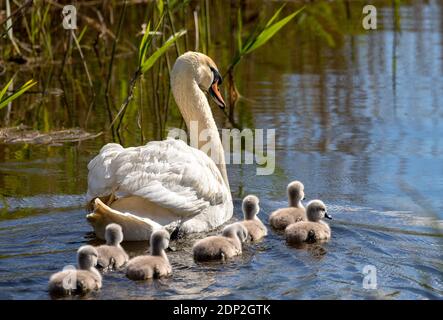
(23, 134)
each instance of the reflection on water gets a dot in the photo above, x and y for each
(360, 124)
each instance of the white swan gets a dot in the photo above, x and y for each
(166, 183)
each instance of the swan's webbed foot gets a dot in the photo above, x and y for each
(177, 234)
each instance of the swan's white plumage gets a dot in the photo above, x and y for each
(168, 173)
(165, 183)
(100, 178)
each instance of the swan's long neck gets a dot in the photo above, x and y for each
(195, 109)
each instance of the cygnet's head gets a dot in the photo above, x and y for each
(87, 257)
(316, 210)
(113, 234)
(250, 207)
(236, 230)
(295, 193)
(159, 241)
(195, 66)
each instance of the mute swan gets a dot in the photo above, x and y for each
(312, 230)
(223, 247)
(256, 229)
(282, 218)
(86, 277)
(166, 183)
(112, 255)
(154, 266)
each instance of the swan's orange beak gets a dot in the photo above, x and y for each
(215, 94)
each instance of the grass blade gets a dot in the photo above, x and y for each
(275, 16)
(259, 29)
(143, 44)
(2, 93)
(239, 31)
(82, 33)
(147, 64)
(9, 27)
(146, 41)
(16, 94)
(270, 31)
(160, 6)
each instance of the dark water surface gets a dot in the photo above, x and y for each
(360, 124)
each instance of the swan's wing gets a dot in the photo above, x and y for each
(168, 173)
(100, 178)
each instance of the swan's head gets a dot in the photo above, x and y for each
(250, 207)
(159, 241)
(316, 210)
(296, 192)
(200, 68)
(236, 230)
(87, 257)
(113, 234)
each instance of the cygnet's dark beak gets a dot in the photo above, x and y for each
(327, 215)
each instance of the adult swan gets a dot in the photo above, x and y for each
(166, 183)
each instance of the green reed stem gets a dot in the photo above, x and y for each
(114, 46)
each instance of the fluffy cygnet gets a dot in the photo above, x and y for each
(283, 217)
(112, 255)
(223, 247)
(78, 281)
(154, 266)
(256, 228)
(313, 230)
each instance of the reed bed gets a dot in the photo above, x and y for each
(80, 72)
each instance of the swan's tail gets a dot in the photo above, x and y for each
(134, 228)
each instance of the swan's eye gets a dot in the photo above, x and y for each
(217, 77)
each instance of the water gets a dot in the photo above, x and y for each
(359, 124)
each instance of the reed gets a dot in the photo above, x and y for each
(94, 84)
(146, 61)
(5, 100)
(261, 34)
